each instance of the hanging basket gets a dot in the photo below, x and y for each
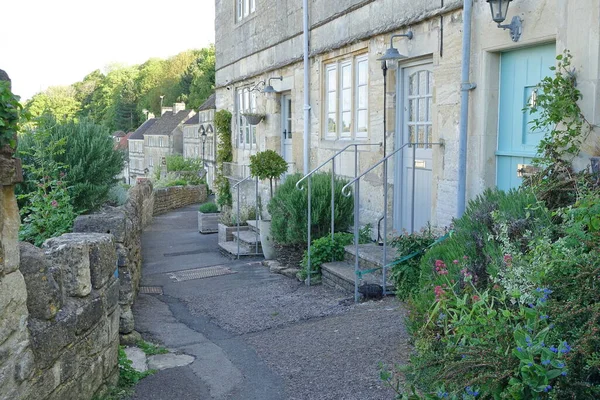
(254, 119)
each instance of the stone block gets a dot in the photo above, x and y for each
(45, 295)
(25, 366)
(86, 259)
(122, 255)
(49, 338)
(112, 222)
(13, 306)
(126, 322)
(110, 295)
(42, 385)
(113, 326)
(110, 360)
(89, 312)
(9, 230)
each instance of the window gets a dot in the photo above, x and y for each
(246, 102)
(245, 8)
(346, 99)
(420, 98)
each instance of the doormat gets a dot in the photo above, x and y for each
(151, 290)
(199, 273)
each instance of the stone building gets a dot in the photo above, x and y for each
(194, 146)
(260, 40)
(165, 136)
(137, 162)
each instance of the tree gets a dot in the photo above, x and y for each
(198, 82)
(59, 101)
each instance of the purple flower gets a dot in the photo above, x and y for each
(553, 349)
(547, 388)
(545, 362)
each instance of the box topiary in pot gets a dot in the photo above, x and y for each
(267, 165)
(208, 218)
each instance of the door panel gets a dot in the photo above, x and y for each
(286, 129)
(411, 213)
(520, 73)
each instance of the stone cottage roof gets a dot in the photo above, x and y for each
(195, 120)
(167, 123)
(139, 132)
(209, 104)
(122, 145)
(118, 134)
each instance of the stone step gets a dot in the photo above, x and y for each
(340, 275)
(253, 225)
(249, 238)
(230, 249)
(370, 255)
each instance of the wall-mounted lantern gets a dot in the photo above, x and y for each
(392, 56)
(269, 90)
(499, 10)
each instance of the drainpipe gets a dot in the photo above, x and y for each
(465, 88)
(306, 89)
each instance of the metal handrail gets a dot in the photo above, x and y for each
(309, 211)
(356, 182)
(331, 158)
(237, 187)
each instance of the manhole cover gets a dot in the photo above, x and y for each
(151, 290)
(199, 273)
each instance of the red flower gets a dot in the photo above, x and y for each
(439, 292)
(475, 298)
(54, 203)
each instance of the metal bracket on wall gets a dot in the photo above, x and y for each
(466, 86)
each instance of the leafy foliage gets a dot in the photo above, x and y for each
(325, 250)
(10, 115)
(224, 154)
(151, 349)
(267, 165)
(288, 209)
(208, 208)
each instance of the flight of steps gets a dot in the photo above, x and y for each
(340, 274)
(248, 238)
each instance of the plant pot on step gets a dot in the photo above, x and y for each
(208, 222)
(266, 241)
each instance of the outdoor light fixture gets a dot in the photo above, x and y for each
(202, 131)
(499, 10)
(203, 137)
(209, 129)
(392, 56)
(269, 89)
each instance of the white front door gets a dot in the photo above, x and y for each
(286, 128)
(412, 202)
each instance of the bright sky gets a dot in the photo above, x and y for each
(47, 43)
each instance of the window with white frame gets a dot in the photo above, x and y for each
(245, 8)
(246, 103)
(346, 105)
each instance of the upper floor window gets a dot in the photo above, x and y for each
(245, 8)
(346, 106)
(246, 103)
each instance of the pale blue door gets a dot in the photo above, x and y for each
(520, 73)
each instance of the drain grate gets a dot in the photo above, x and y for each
(199, 273)
(151, 290)
(187, 253)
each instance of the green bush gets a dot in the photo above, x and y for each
(208, 208)
(47, 212)
(406, 275)
(118, 195)
(288, 209)
(176, 182)
(229, 215)
(82, 149)
(325, 250)
(267, 165)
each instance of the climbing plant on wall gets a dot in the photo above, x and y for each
(224, 154)
(10, 114)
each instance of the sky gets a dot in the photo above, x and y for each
(49, 43)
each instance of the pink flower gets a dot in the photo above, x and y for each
(475, 298)
(439, 292)
(508, 259)
(54, 203)
(440, 264)
(455, 261)
(465, 258)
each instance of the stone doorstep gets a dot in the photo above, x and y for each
(253, 225)
(340, 274)
(249, 238)
(229, 249)
(370, 255)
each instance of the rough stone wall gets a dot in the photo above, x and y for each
(171, 198)
(72, 298)
(125, 223)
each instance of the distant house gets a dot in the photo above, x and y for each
(193, 145)
(117, 136)
(136, 149)
(123, 145)
(165, 136)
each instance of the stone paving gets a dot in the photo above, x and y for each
(254, 334)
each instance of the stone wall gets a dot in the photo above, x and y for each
(72, 298)
(125, 223)
(171, 198)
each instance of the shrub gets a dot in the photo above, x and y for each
(118, 195)
(288, 209)
(208, 208)
(47, 212)
(406, 275)
(229, 215)
(176, 182)
(325, 250)
(267, 165)
(91, 160)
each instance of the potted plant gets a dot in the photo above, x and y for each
(254, 118)
(267, 165)
(208, 218)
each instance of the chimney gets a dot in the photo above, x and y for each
(150, 115)
(165, 109)
(178, 107)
